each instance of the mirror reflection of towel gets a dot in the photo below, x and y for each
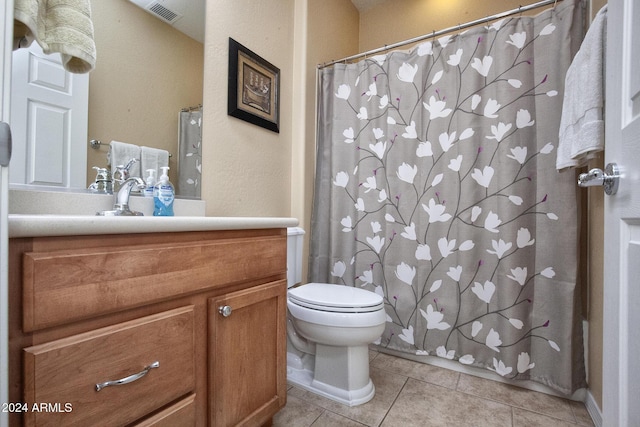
(153, 158)
(62, 26)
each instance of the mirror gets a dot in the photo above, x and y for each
(146, 72)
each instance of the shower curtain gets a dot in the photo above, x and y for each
(190, 154)
(436, 188)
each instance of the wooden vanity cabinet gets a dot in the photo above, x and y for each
(208, 307)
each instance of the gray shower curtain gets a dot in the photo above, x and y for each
(190, 154)
(436, 188)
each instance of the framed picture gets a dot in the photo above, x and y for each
(254, 88)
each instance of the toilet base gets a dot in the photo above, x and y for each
(316, 373)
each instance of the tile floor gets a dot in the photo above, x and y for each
(414, 394)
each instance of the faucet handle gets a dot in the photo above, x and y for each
(131, 163)
(123, 170)
(101, 173)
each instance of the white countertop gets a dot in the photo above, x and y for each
(76, 225)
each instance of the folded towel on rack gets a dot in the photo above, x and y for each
(120, 153)
(581, 133)
(62, 26)
(153, 158)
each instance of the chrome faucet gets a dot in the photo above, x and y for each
(121, 205)
(121, 174)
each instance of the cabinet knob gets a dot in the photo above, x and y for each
(225, 310)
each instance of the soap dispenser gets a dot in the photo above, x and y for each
(150, 183)
(163, 195)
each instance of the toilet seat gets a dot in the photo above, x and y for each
(335, 298)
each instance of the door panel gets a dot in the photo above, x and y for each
(621, 370)
(49, 110)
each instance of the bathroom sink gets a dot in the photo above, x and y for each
(74, 225)
(117, 212)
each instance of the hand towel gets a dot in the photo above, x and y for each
(120, 153)
(153, 158)
(62, 26)
(581, 125)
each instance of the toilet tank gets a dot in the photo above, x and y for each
(295, 237)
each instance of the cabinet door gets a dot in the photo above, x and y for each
(247, 355)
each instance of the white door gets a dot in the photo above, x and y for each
(621, 358)
(49, 113)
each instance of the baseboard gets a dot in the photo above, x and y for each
(593, 409)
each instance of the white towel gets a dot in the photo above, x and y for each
(62, 26)
(120, 153)
(582, 125)
(153, 158)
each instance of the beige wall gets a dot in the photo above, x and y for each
(146, 71)
(247, 169)
(595, 237)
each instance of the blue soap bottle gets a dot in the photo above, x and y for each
(163, 195)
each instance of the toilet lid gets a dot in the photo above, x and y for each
(327, 297)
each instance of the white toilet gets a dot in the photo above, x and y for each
(329, 329)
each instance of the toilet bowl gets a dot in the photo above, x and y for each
(329, 329)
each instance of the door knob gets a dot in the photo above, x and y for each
(609, 178)
(225, 310)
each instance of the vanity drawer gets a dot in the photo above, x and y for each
(63, 374)
(181, 414)
(75, 283)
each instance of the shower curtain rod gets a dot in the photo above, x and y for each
(189, 109)
(441, 32)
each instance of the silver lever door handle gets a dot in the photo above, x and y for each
(129, 379)
(609, 178)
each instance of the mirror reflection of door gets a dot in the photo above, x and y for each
(49, 112)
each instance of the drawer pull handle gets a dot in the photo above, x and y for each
(129, 379)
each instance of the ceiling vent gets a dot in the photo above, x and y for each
(163, 12)
(186, 16)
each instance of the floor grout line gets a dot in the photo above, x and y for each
(386, 414)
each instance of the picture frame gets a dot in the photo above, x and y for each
(254, 88)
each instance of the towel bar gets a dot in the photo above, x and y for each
(96, 143)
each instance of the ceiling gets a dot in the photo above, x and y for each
(364, 5)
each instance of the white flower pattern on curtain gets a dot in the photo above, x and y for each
(436, 188)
